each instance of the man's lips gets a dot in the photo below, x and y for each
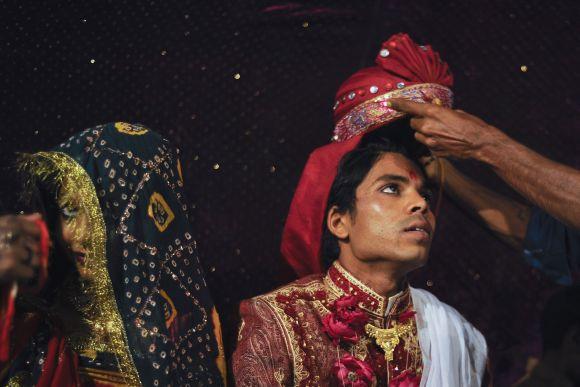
(420, 228)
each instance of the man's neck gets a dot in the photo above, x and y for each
(379, 276)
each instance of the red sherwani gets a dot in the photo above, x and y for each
(282, 342)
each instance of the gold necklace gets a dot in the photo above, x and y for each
(389, 338)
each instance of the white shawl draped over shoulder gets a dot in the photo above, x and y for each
(454, 352)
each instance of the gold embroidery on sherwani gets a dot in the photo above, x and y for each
(296, 351)
(376, 304)
(287, 343)
(279, 375)
(396, 336)
(361, 349)
(297, 348)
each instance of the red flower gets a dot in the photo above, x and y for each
(406, 379)
(352, 372)
(346, 321)
(346, 302)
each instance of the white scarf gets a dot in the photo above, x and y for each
(454, 352)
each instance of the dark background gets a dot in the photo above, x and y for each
(172, 65)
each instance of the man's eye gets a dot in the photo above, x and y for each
(390, 189)
(69, 212)
(428, 195)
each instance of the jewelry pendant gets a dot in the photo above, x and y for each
(388, 338)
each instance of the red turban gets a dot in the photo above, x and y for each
(403, 70)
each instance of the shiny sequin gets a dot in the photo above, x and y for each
(375, 112)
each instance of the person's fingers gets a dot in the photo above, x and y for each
(31, 244)
(13, 228)
(20, 272)
(18, 252)
(29, 228)
(423, 139)
(413, 108)
(12, 269)
(417, 123)
(441, 153)
(32, 217)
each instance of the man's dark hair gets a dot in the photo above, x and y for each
(354, 167)
(561, 313)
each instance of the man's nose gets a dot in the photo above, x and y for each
(418, 204)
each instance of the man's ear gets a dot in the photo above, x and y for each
(338, 223)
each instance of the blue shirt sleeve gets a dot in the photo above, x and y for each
(552, 247)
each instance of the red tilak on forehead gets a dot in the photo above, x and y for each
(413, 175)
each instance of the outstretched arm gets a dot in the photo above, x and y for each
(551, 186)
(506, 218)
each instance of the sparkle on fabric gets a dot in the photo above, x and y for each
(374, 112)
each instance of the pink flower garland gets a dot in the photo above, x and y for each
(345, 323)
(352, 372)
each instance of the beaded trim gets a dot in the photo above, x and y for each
(375, 112)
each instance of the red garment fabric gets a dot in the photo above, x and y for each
(302, 234)
(405, 61)
(60, 367)
(44, 246)
(7, 298)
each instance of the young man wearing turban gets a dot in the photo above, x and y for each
(361, 213)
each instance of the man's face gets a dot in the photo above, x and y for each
(392, 220)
